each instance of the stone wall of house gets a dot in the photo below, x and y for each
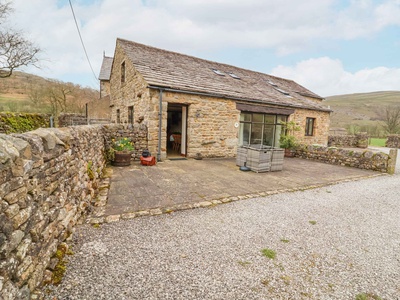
(368, 160)
(132, 92)
(47, 180)
(393, 141)
(359, 140)
(211, 122)
(321, 126)
(99, 109)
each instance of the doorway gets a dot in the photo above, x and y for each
(176, 130)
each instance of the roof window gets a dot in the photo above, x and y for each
(218, 72)
(233, 75)
(282, 91)
(271, 83)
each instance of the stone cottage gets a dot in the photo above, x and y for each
(193, 106)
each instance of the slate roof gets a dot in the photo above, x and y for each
(105, 70)
(173, 70)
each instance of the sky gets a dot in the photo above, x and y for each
(331, 47)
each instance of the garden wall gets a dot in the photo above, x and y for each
(357, 141)
(368, 160)
(48, 178)
(393, 141)
(69, 119)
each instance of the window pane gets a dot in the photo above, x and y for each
(268, 139)
(256, 134)
(270, 119)
(281, 119)
(278, 132)
(245, 117)
(258, 118)
(244, 134)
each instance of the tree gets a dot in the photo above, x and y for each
(15, 50)
(390, 116)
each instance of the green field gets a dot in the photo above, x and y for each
(377, 142)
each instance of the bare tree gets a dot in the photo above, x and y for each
(15, 50)
(390, 116)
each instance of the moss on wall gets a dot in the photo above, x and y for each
(22, 122)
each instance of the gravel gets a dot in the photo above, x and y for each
(351, 248)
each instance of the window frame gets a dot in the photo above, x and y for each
(247, 120)
(131, 111)
(123, 72)
(310, 126)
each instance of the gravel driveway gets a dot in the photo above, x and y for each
(335, 242)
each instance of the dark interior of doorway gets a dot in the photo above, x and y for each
(174, 126)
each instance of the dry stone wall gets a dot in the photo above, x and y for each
(393, 141)
(357, 141)
(137, 133)
(48, 178)
(368, 160)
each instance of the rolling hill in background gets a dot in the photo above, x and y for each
(360, 111)
(16, 93)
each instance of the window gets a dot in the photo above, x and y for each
(130, 114)
(118, 116)
(258, 129)
(123, 72)
(218, 72)
(310, 123)
(233, 75)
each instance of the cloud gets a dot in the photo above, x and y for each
(196, 27)
(326, 77)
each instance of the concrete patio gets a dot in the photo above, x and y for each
(183, 184)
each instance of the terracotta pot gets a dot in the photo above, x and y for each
(289, 153)
(121, 159)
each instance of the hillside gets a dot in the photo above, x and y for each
(29, 93)
(361, 111)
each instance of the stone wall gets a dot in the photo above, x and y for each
(393, 141)
(368, 160)
(69, 119)
(355, 141)
(321, 126)
(137, 133)
(48, 178)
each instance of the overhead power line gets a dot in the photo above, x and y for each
(83, 44)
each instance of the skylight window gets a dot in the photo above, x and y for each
(218, 72)
(282, 91)
(233, 75)
(271, 83)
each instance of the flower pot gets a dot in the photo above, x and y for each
(121, 159)
(289, 152)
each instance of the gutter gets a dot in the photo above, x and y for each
(155, 87)
(159, 123)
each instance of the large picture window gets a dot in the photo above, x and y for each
(260, 129)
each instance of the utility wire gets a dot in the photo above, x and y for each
(83, 44)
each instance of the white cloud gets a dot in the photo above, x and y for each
(327, 77)
(191, 27)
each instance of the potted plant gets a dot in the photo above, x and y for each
(287, 140)
(121, 151)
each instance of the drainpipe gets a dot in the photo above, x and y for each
(159, 124)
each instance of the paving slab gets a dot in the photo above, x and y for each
(182, 184)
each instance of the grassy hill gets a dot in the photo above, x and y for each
(16, 94)
(361, 111)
